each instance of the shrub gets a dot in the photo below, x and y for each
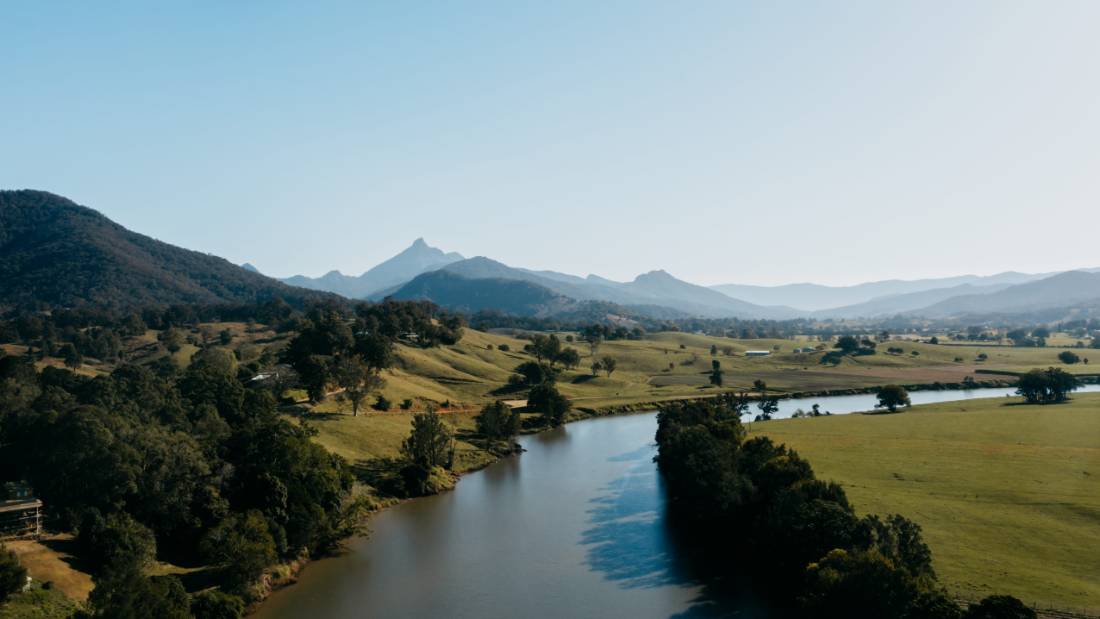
(1069, 358)
(382, 404)
(497, 421)
(504, 348)
(12, 575)
(406, 404)
(214, 604)
(999, 607)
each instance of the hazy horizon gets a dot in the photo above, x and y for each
(722, 143)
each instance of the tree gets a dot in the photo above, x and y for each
(356, 379)
(535, 373)
(117, 543)
(713, 349)
(891, 397)
(1069, 358)
(609, 364)
(552, 405)
(225, 338)
(131, 595)
(847, 344)
(597, 366)
(594, 342)
(716, 373)
(545, 347)
(13, 576)
(999, 607)
(213, 604)
(569, 357)
(430, 443)
(73, 358)
(760, 386)
(768, 408)
(1046, 386)
(242, 545)
(497, 421)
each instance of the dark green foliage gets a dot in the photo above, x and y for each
(116, 544)
(568, 357)
(430, 443)
(381, 403)
(12, 575)
(999, 607)
(609, 364)
(243, 546)
(551, 404)
(213, 604)
(1068, 357)
(498, 421)
(1047, 386)
(535, 373)
(760, 504)
(55, 253)
(132, 456)
(131, 595)
(891, 397)
(847, 344)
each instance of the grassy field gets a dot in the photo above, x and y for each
(676, 365)
(1008, 495)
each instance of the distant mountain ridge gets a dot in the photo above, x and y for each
(55, 253)
(416, 259)
(657, 289)
(815, 297)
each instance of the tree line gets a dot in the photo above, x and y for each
(760, 507)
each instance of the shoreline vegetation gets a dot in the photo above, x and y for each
(378, 402)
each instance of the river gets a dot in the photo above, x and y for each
(574, 527)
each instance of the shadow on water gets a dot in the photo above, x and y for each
(635, 542)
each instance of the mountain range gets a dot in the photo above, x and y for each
(470, 285)
(56, 253)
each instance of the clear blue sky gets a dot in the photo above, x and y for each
(763, 142)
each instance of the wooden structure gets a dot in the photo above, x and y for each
(20, 511)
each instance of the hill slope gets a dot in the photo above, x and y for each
(1062, 290)
(56, 253)
(818, 297)
(416, 259)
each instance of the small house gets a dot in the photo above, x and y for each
(757, 353)
(20, 512)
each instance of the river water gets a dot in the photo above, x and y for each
(574, 527)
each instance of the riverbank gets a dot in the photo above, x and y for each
(1004, 491)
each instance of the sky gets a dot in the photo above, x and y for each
(725, 142)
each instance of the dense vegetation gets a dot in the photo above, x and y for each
(762, 503)
(197, 467)
(57, 254)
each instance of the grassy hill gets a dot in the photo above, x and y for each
(1007, 494)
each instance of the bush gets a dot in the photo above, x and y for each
(504, 348)
(406, 404)
(382, 404)
(498, 421)
(12, 575)
(116, 543)
(1069, 358)
(891, 397)
(999, 607)
(242, 545)
(214, 604)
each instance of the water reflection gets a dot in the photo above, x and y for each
(626, 542)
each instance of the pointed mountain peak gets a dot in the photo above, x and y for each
(419, 243)
(658, 275)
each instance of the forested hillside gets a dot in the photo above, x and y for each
(56, 253)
